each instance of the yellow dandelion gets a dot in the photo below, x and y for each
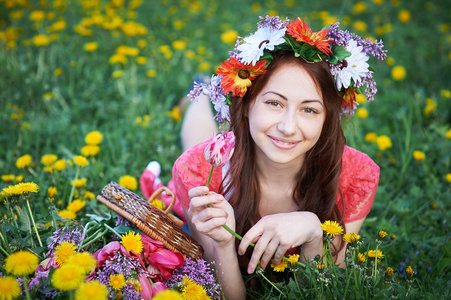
(26, 187)
(19, 178)
(67, 277)
(128, 182)
(117, 281)
(81, 161)
(359, 25)
(362, 113)
(132, 242)
(48, 159)
(320, 267)
(141, 60)
(404, 16)
(37, 15)
(382, 234)
(448, 177)
(175, 114)
(92, 290)
(179, 45)
(23, 161)
(445, 93)
(67, 214)
(204, 66)
(60, 165)
(229, 36)
(448, 134)
(168, 295)
(8, 177)
(94, 138)
(11, 191)
(9, 288)
(371, 137)
(84, 260)
(361, 258)
(383, 142)
(359, 7)
(398, 73)
(418, 155)
(332, 228)
(293, 259)
(117, 74)
(158, 204)
(76, 205)
(410, 272)
(373, 254)
(351, 237)
(79, 183)
(90, 150)
(118, 58)
(280, 267)
(89, 195)
(192, 290)
(64, 252)
(389, 272)
(360, 98)
(90, 47)
(151, 73)
(142, 44)
(21, 263)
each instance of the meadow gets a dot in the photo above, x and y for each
(69, 68)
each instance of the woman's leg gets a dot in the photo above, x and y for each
(198, 124)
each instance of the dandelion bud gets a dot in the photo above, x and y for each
(220, 149)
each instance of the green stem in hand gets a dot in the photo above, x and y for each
(225, 226)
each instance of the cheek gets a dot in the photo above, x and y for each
(312, 130)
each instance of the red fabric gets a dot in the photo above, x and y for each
(359, 179)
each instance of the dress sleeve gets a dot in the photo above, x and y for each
(191, 170)
(358, 183)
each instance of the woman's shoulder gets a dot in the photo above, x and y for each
(355, 161)
(193, 155)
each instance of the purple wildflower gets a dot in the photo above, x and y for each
(71, 233)
(272, 22)
(200, 272)
(196, 91)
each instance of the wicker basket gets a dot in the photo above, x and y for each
(159, 225)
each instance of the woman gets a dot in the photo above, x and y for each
(291, 169)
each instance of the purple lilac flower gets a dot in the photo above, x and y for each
(272, 22)
(196, 91)
(120, 264)
(72, 233)
(371, 89)
(200, 272)
(235, 53)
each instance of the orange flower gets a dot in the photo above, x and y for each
(349, 99)
(302, 33)
(238, 76)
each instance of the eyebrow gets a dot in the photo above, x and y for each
(286, 99)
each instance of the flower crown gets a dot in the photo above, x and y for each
(346, 53)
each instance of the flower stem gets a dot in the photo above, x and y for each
(34, 224)
(271, 283)
(25, 288)
(209, 176)
(4, 251)
(72, 191)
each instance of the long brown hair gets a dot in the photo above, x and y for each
(317, 181)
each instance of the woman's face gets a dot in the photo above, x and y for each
(286, 117)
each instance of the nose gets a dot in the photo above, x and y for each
(288, 123)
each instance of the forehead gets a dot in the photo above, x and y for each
(293, 80)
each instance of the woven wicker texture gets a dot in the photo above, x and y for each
(156, 223)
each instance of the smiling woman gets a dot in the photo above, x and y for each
(291, 169)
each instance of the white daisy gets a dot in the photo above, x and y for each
(355, 66)
(264, 38)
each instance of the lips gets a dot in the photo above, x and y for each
(283, 144)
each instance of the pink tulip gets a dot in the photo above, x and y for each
(220, 149)
(108, 251)
(158, 287)
(146, 292)
(166, 262)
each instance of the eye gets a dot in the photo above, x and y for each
(273, 103)
(309, 110)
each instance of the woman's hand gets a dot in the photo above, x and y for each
(275, 234)
(208, 212)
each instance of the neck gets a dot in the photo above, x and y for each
(270, 173)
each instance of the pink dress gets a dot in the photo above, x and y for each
(358, 182)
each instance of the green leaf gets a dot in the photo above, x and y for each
(24, 220)
(340, 52)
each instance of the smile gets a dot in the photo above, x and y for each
(283, 144)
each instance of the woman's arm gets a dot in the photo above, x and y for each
(207, 213)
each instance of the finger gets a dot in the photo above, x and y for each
(251, 236)
(198, 191)
(209, 213)
(209, 226)
(259, 249)
(269, 252)
(200, 202)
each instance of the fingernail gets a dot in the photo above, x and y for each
(249, 270)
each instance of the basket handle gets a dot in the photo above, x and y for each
(169, 208)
